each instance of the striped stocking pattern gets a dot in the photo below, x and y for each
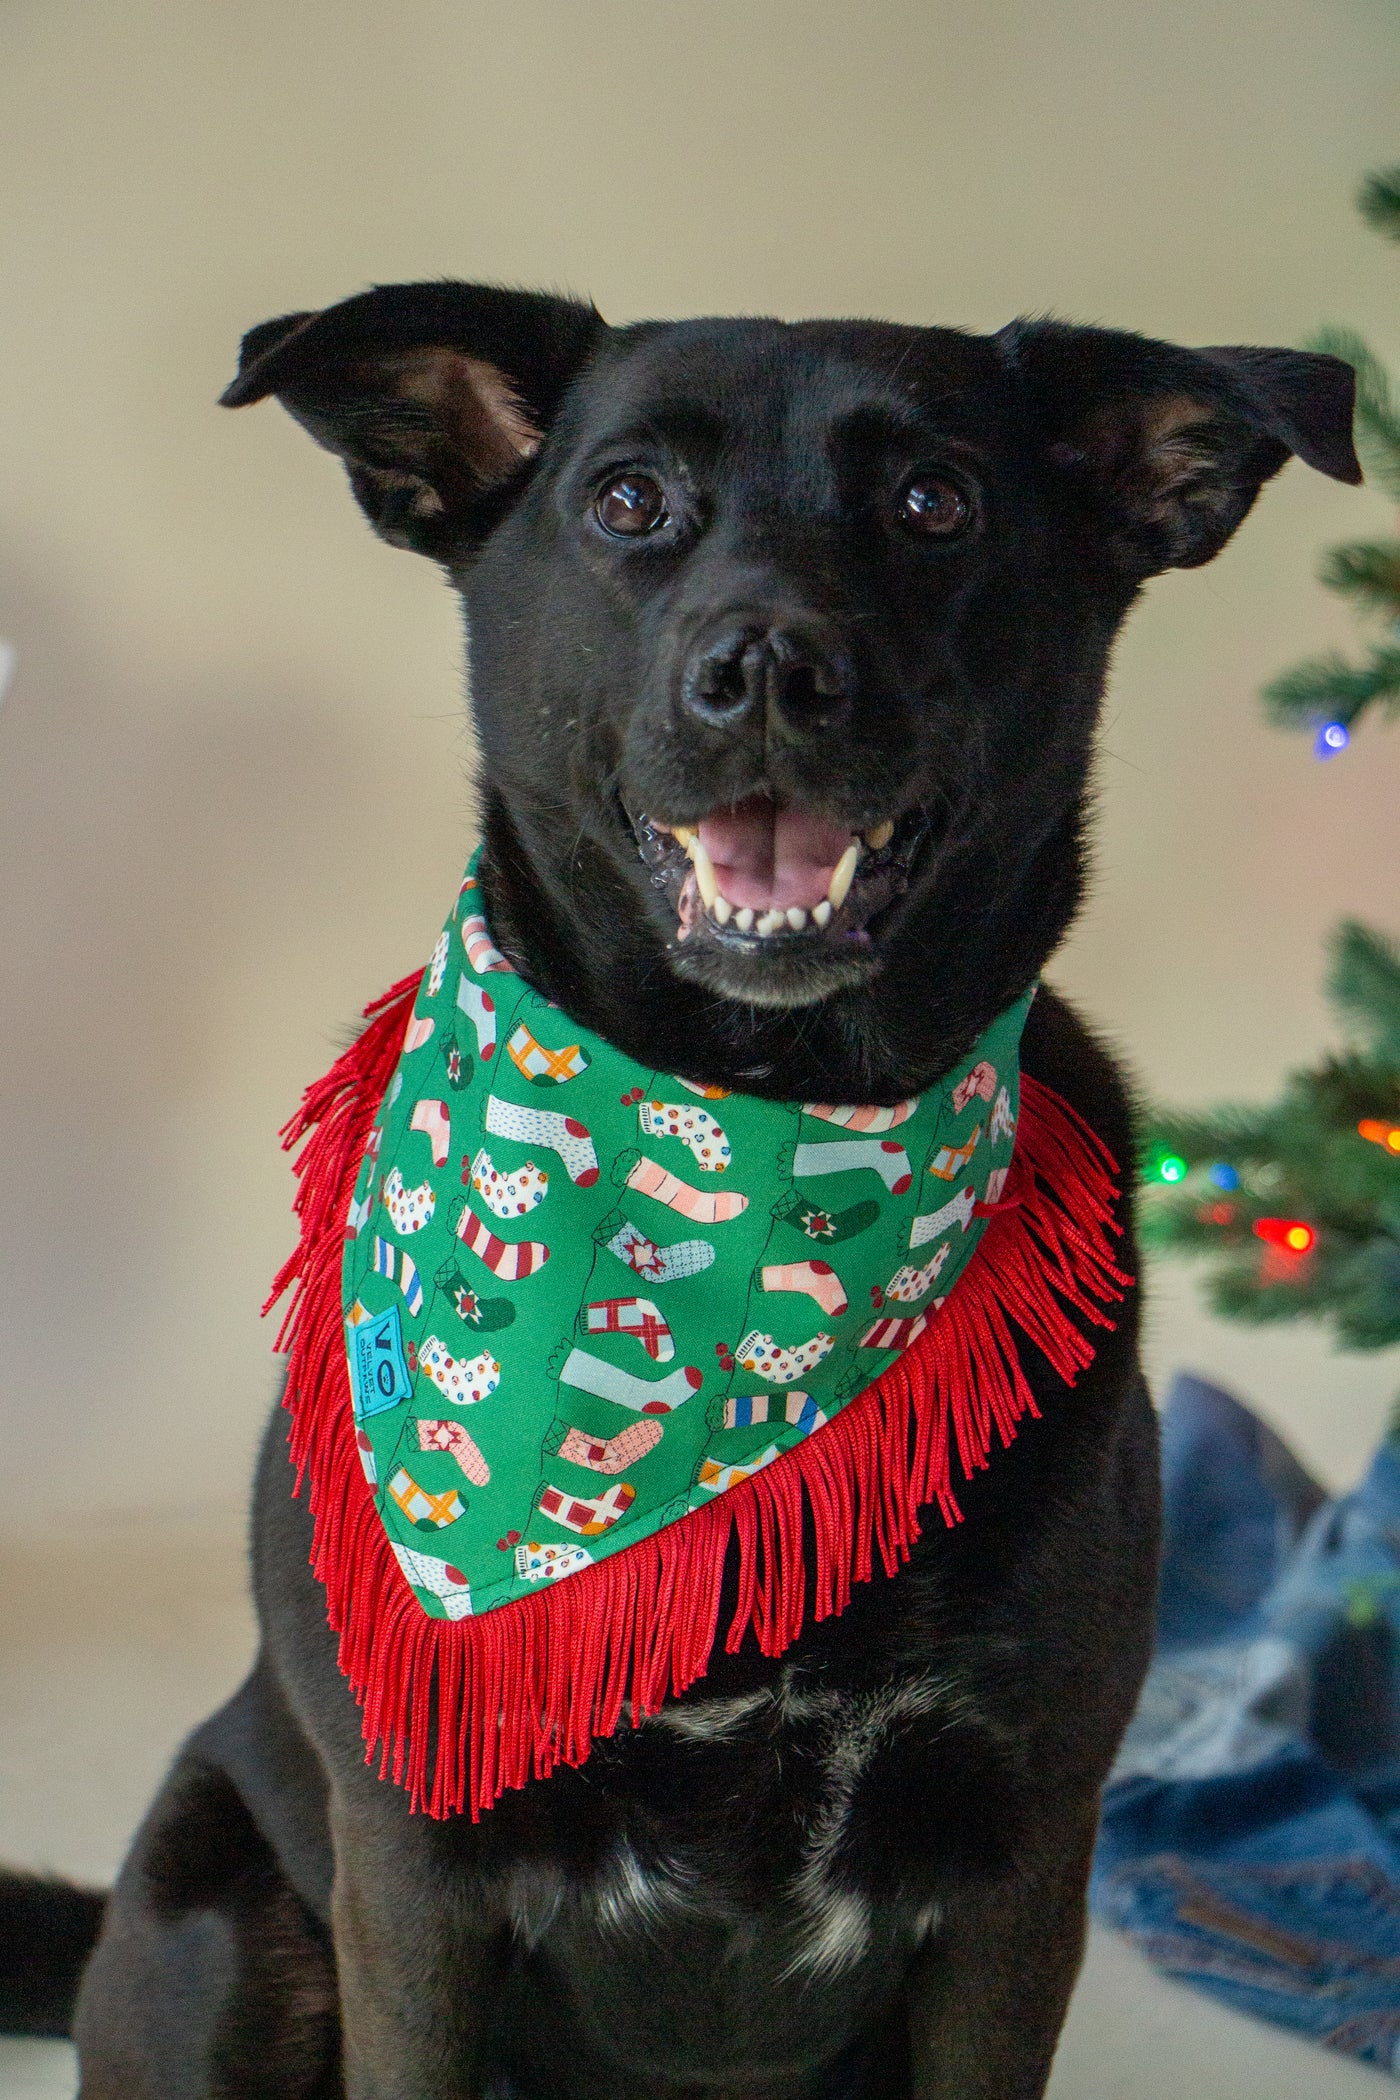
(649, 1179)
(398, 1264)
(511, 1260)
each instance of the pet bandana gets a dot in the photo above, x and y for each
(594, 1318)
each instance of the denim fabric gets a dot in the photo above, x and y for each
(1251, 1828)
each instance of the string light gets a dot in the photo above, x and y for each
(1291, 1234)
(1377, 1133)
(1331, 738)
(1224, 1175)
(1169, 1166)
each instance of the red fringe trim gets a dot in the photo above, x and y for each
(461, 1710)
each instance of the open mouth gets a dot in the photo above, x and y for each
(765, 879)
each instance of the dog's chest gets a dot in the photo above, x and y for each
(746, 1815)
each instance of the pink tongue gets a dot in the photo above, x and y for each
(770, 858)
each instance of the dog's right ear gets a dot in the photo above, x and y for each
(434, 395)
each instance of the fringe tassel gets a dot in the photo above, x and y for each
(461, 1710)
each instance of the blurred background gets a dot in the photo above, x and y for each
(234, 771)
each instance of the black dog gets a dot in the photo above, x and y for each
(836, 600)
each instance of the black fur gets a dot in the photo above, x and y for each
(47, 1930)
(919, 1777)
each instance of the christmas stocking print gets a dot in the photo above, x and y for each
(438, 1577)
(463, 1383)
(870, 1121)
(958, 1211)
(512, 1194)
(611, 1454)
(480, 1009)
(745, 1410)
(766, 1358)
(695, 1127)
(827, 1226)
(511, 1260)
(886, 1156)
(649, 1179)
(409, 1209)
(551, 1130)
(432, 1119)
(816, 1278)
(589, 1515)
(425, 1509)
(398, 1263)
(453, 1438)
(979, 1085)
(544, 1067)
(644, 1396)
(673, 1264)
(486, 1315)
(635, 1316)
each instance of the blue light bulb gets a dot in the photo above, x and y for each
(1224, 1175)
(1330, 739)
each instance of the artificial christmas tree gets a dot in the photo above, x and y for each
(1296, 1206)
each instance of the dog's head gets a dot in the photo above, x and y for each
(787, 640)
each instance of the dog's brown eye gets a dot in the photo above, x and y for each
(934, 508)
(630, 506)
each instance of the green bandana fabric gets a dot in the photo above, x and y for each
(583, 1298)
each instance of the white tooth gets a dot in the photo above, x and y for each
(796, 917)
(681, 836)
(722, 908)
(880, 836)
(743, 919)
(705, 877)
(821, 913)
(769, 923)
(844, 875)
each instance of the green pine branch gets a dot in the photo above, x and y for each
(1213, 1176)
(1367, 572)
(1363, 983)
(1329, 688)
(1378, 201)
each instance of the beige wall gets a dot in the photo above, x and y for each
(232, 792)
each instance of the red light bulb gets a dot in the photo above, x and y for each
(1291, 1234)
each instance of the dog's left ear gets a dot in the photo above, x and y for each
(434, 395)
(1170, 447)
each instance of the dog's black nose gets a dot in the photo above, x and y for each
(794, 683)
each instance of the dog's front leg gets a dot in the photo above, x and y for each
(989, 1992)
(417, 1955)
